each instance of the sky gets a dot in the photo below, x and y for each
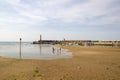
(59, 19)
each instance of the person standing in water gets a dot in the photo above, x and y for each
(60, 50)
(53, 50)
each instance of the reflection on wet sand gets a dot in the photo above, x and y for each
(40, 49)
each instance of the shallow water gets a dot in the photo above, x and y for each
(32, 51)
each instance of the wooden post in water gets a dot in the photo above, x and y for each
(40, 43)
(20, 47)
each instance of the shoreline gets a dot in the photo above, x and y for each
(88, 63)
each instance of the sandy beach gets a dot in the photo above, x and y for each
(88, 63)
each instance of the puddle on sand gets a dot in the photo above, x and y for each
(33, 51)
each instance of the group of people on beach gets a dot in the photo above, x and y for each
(57, 50)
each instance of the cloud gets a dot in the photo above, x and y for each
(69, 11)
(57, 17)
(86, 13)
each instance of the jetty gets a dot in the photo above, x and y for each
(79, 42)
(47, 42)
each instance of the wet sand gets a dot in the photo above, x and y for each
(88, 63)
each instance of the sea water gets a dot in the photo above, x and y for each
(32, 51)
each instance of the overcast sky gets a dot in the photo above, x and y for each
(58, 19)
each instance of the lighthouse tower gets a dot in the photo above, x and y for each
(40, 39)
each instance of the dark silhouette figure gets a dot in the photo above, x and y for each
(60, 50)
(53, 50)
